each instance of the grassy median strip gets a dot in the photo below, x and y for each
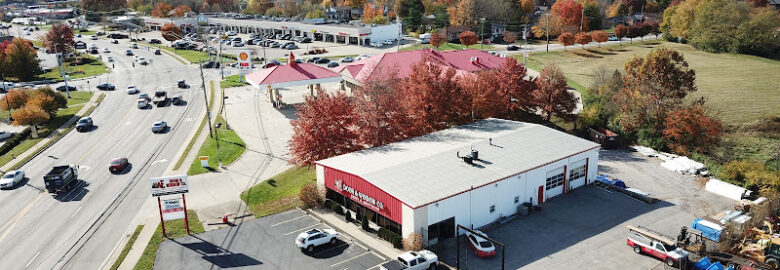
(230, 148)
(174, 229)
(232, 81)
(93, 68)
(127, 247)
(278, 193)
(197, 132)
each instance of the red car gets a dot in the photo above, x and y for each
(117, 165)
(480, 245)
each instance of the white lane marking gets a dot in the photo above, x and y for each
(361, 254)
(287, 220)
(33, 259)
(160, 161)
(303, 229)
(77, 211)
(84, 168)
(189, 119)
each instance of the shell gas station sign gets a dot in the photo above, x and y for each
(244, 60)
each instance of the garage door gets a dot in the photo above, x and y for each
(577, 174)
(554, 184)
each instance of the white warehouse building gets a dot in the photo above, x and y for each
(471, 175)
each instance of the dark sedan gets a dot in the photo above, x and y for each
(323, 61)
(106, 86)
(70, 88)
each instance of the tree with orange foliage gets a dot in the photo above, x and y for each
(692, 128)
(620, 32)
(482, 95)
(14, 99)
(30, 116)
(181, 10)
(326, 126)
(468, 38)
(162, 10)
(570, 14)
(433, 99)
(600, 36)
(552, 96)
(46, 99)
(354, 3)
(528, 6)
(382, 118)
(437, 40)
(583, 38)
(170, 32)
(514, 91)
(368, 13)
(566, 39)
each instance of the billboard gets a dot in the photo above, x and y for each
(172, 209)
(244, 59)
(168, 185)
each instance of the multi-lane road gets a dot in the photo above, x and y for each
(79, 229)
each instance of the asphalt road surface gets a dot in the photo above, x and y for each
(79, 229)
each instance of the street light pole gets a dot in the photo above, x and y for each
(482, 34)
(219, 154)
(205, 97)
(7, 102)
(548, 31)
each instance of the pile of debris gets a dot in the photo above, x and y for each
(677, 163)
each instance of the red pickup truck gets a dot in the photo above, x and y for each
(647, 241)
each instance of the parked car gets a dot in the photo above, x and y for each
(93, 37)
(106, 50)
(238, 44)
(211, 64)
(5, 135)
(105, 86)
(347, 59)
(69, 88)
(159, 126)
(314, 59)
(275, 45)
(131, 89)
(310, 239)
(388, 42)
(134, 46)
(480, 245)
(11, 179)
(115, 41)
(117, 165)
(84, 124)
(612, 38)
(413, 260)
(306, 40)
(323, 61)
(512, 48)
(231, 33)
(333, 64)
(155, 41)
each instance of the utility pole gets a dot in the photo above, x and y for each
(63, 73)
(548, 31)
(219, 154)
(7, 102)
(219, 55)
(525, 47)
(482, 34)
(400, 32)
(582, 19)
(205, 97)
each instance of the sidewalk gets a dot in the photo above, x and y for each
(54, 135)
(372, 241)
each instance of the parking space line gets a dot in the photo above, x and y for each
(279, 223)
(299, 230)
(379, 264)
(347, 260)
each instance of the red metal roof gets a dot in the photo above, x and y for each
(401, 63)
(293, 72)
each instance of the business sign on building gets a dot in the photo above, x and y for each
(172, 209)
(244, 59)
(168, 185)
(356, 195)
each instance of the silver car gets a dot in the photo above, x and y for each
(11, 179)
(159, 126)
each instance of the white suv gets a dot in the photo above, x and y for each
(132, 90)
(313, 238)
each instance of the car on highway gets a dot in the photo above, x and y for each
(142, 103)
(155, 41)
(333, 64)
(480, 245)
(512, 48)
(5, 135)
(118, 165)
(310, 239)
(106, 86)
(135, 46)
(115, 41)
(142, 61)
(157, 52)
(93, 37)
(177, 99)
(144, 96)
(84, 124)
(110, 59)
(69, 88)
(106, 50)
(159, 126)
(347, 59)
(11, 179)
(129, 53)
(181, 84)
(131, 89)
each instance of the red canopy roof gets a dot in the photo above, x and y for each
(293, 74)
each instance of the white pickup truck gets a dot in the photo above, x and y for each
(644, 240)
(413, 260)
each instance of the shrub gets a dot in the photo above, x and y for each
(364, 223)
(348, 217)
(337, 208)
(397, 241)
(14, 141)
(413, 242)
(311, 196)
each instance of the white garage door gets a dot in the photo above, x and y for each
(554, 184)
(577, 174)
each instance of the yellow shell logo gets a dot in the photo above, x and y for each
(243, 56)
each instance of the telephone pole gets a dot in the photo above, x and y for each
(548, 30)
(205, 97)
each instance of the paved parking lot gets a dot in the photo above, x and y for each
(585, 229)
(264, 243)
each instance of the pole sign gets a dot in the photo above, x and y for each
(204, 161)
(172, 209)
(244, 59)
(168, 185)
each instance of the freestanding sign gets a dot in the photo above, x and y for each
(169, 185)
(244, 59)
(204, 161)
(173, 209)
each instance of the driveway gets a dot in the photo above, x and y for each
(586, 228)
(264, 243)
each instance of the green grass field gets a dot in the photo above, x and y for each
(232, 81)
(447, 47)
(230, 146)
(278, 193)
(93, 68)
(173, 229)
(741, 88)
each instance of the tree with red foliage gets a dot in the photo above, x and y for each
(482, 95)
(326, 126)
(59, 38)
(170, 32)
(600, 37)
(510, 37)
(433, 99)
(583, 38)
(552, 96)
(162, 10)
(759, 3)
(382, 118)
(468, 38)
(620, 32)
(181, 10)
(436, 40)
(656, 29)
(566, 39)
(634, 31)
(514, 91)
(645, 29)
(692, 128)
(570, 14)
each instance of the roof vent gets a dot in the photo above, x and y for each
(474, 60)
(470, 158)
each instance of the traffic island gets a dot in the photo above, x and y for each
(225, 145)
